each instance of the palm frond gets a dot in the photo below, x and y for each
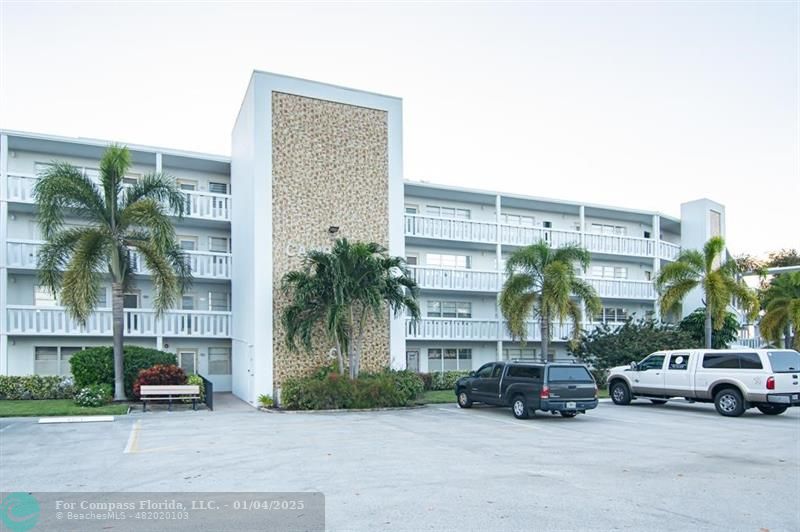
(60, 187)
(149, 215)
(159, 187)
(114, 164)
(81, 280)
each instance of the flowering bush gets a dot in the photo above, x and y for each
(93, 395)
(159, 374)
(14, 387)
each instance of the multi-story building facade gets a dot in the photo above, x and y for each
(329, 162)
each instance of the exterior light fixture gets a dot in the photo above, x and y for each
(333, 229)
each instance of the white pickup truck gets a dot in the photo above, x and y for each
(733, 379)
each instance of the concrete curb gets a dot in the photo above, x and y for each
(339, 410)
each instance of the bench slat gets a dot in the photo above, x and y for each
(177, 389)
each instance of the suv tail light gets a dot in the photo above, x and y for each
(545, 393)
(770, 383)
(595, 391)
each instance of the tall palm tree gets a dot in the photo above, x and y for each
(542, 283)
(718, 279)
(782, 306)
(115, 221)
(341, 290)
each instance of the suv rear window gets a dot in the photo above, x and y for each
(731, 361)
(784, 361)
(525, 372)
(569, 374)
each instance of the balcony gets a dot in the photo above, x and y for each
(204, 264)
(201, 205)
(450, 229)
(623, 289)
(481, 330)
(29, 320)
(455, 279)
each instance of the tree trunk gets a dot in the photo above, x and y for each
(118, 319)
(787, 337)
(351, 346)
(339, 356)
(709, 329)
(361, 323)
(545, 325)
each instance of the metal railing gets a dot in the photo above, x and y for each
(208, 392)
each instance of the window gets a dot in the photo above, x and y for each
(485, 371)
(607, 229)
(102, 297)
(411, 260)
(525, 372)
(411, 209)
(43, 297)
(53, 360)
(130, 300)
(130, 179)
(569, 374)
(449, 359)
(651, 362)
(750, 361)
(219, 361)
(648, 275)
(187, 302)
(647, 234)
(614, 314)
(218, 188)
(447, 212)
(679, 361)
(517, 219)
(715, 222)
(784, 361)
(187, 185)
(610, 272)
(442, 260)
(731, 361)
(497, 371)
(547, 225)
(511, 353)
(449, 309)
(219, 301)
(218, 244)
(187, 243)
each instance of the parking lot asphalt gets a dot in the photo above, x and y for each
(640, 467)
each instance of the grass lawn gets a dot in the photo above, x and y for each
(438, 396)
(57, 407)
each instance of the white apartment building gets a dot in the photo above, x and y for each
(241, 235)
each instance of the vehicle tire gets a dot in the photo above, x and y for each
(658, 401)
(568, 414)
(729, 402)
(772, 410)
(519, 407)
(620, 393)
(463, 399)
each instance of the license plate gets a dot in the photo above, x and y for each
(570, 405)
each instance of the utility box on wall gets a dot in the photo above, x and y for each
(307, 157)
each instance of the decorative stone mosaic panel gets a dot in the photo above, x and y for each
(329, 168)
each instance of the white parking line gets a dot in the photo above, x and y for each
(133, 438)
(524, 424)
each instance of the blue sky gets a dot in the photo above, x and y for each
(637, 104)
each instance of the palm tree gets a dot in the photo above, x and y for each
(341, 290)
(718, 279)
(782, 306)
(542, 283)
(115, 221)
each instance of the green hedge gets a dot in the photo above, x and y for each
(96, 365)
(15, 387)
(323, 391)
(442, 380)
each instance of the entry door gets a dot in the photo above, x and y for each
(649, 377)
(187, 360)
(412, 361)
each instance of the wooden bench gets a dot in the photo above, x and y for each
(168, 392)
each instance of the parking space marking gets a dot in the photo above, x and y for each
(7, 427)
(499, 420)
(133, 438)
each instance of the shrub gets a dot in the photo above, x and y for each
(446, 380)
(159, 374)
(197, 380)
(14, 387)
(426, 380)
(265, 400)
(96, 365)
(323, 391)
(93, 395)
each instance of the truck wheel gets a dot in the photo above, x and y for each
(772, 410)
(658, 401)
(729, 402)
(463, 399)
(620, 393)
(519, 406)
(568, 414)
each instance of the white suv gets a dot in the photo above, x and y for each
(734, 379)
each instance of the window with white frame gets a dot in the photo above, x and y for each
(519, 353)
(517, 219)
(609, 229)
(219, 360)
(53, 360)
(43, 297)
(610, 272)
(187, 243)
(217, 188)
(445, 260)
(102, 297)
(187, 302)
(449, 309)
(219, 301)
(218, 244)
(441, 211)
(412, 209)
(449, 359)
(614, 314)
(187, 184)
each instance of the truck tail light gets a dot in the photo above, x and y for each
(595, 391)
(545, 393)
(770, 383)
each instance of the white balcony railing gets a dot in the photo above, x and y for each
(205, 205)
(29, 320)
(623, 289)
(523, 236)
(450, 229)
(455, 279)
(204, 264)
(483, 330)
(619, 245)
(668, 250)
